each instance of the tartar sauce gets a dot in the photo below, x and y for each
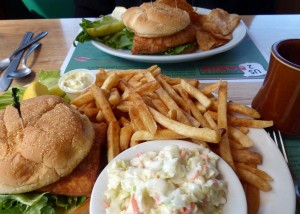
(172, 181)
(76, 81)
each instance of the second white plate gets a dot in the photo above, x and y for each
(238, 35)
(235, 189)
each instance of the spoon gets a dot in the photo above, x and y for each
(24, 70)
(5, 62)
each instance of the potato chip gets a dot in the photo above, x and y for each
(207, 41)
(218, 21)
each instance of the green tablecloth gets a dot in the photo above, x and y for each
(292, 147)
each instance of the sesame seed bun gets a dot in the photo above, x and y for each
(155, 19)
(54, 140)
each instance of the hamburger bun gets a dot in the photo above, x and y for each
(155, 19)
(54, 140)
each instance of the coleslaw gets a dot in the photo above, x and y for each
(173, 180)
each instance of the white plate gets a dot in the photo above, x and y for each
(238, 35)
(281, 199)
(235, 189)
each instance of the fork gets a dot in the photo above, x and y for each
(276, 136)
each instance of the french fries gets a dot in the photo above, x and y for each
(139, 105)
(83, 99)
(207, 90)
(253, 179)
(136, 121)
(162, 134)
(110, 82)
(100, 77)
(144, 113)
(113, 140)
(103, 104)
(125, 136)
(196, 93)
(238, 108)
(178, 99)
(114, 97)
(237, 121)
(237, 135)
(253, 199)
(246, 156)
(225, 150)
(204, 134)
(262, 174)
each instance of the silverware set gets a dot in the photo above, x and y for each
(9, 65)
(24, 70)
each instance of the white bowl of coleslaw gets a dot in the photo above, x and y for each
(132, 180)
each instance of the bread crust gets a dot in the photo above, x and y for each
(155, 19)
(55, 139)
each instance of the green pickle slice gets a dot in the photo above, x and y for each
(106, 29)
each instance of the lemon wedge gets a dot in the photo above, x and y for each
(118, 12)
(55, 90)
(35, 89)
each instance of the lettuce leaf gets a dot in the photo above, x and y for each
(83, 36)
(7, 99)
(49, 77)
(178, 49)
(37, 203)
(120, 40)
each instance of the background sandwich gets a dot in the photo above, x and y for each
(160, 28)
(163, 27)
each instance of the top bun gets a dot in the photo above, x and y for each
(155, 19)
(54, 140)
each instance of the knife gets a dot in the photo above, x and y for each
(22, 47)
(4, 80)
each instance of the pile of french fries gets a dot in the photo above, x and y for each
(139, 105)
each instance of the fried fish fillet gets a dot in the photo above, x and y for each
(142, 45)
(81, 181)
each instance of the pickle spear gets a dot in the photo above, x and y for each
(106, 29)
